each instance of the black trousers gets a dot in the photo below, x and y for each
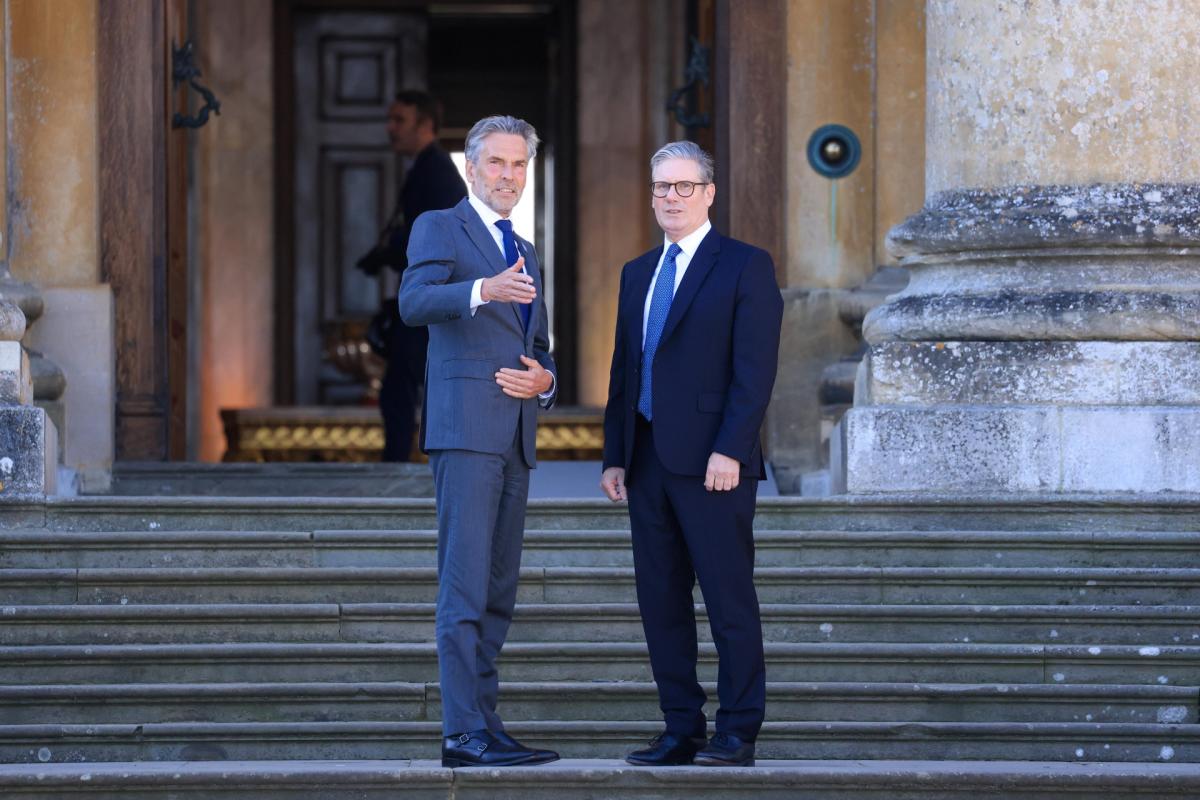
(400, 394)
(682, 532)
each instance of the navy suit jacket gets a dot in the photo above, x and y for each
(715, 364)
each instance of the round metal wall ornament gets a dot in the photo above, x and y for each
(834, 151)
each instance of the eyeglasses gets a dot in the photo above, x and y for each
(682, 188)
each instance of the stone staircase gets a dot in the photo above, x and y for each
(282, 647)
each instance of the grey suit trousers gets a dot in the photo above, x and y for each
(481, 502)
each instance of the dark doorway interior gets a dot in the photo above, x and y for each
(478, 59)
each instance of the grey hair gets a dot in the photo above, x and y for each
(688, 150)
(500, 124)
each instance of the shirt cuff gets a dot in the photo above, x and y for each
(546, 395)
(477, 295)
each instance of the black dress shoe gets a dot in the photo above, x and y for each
(666, 750)
(539, 756)
(482, 749)
(726, 750)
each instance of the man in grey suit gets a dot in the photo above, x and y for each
(478, 287)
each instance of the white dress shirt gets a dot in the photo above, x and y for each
(489, 217)
(687, 246)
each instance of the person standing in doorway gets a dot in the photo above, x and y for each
(697, 345)
(478, 287)
(432, 183)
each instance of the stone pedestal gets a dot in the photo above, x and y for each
(28, 448)
(1049, 339)
(28, 439)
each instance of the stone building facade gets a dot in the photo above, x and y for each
(1032, 162)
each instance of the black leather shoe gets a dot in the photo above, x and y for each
(666, 750)
(539, 756)
(482, 749)
(726, 750)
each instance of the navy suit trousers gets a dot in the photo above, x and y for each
(682, 532)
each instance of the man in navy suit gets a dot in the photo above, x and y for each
(697, 345)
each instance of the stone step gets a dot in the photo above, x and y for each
(620, 701)
(616, 622)
(1091, 513)
(99, 704)
(41, 549)
(275, 479)
(900, 585)
(1103, 742)
(589, 779)
(594, 661)
(800, 548)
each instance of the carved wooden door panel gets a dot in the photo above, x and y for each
(348, 67)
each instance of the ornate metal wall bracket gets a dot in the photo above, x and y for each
(184, 68)
(697, 72)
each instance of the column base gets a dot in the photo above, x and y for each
(981, 449)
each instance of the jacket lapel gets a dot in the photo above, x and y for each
(478, 234)
(701, 264)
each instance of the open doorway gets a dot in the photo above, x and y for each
(338, 68)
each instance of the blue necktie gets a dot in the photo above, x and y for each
(511, 254)
(660, 306)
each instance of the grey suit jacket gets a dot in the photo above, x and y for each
(465, 408)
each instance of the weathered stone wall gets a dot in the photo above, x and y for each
(53, 141)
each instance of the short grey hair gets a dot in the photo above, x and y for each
(500, 124)
(688, 150)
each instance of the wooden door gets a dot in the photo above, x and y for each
(143, 222)
(347, 68)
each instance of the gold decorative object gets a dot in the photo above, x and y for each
(355, 434)
(346, 349)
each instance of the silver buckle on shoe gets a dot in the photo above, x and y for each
(464, 738)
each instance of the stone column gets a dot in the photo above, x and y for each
(1049, 341)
